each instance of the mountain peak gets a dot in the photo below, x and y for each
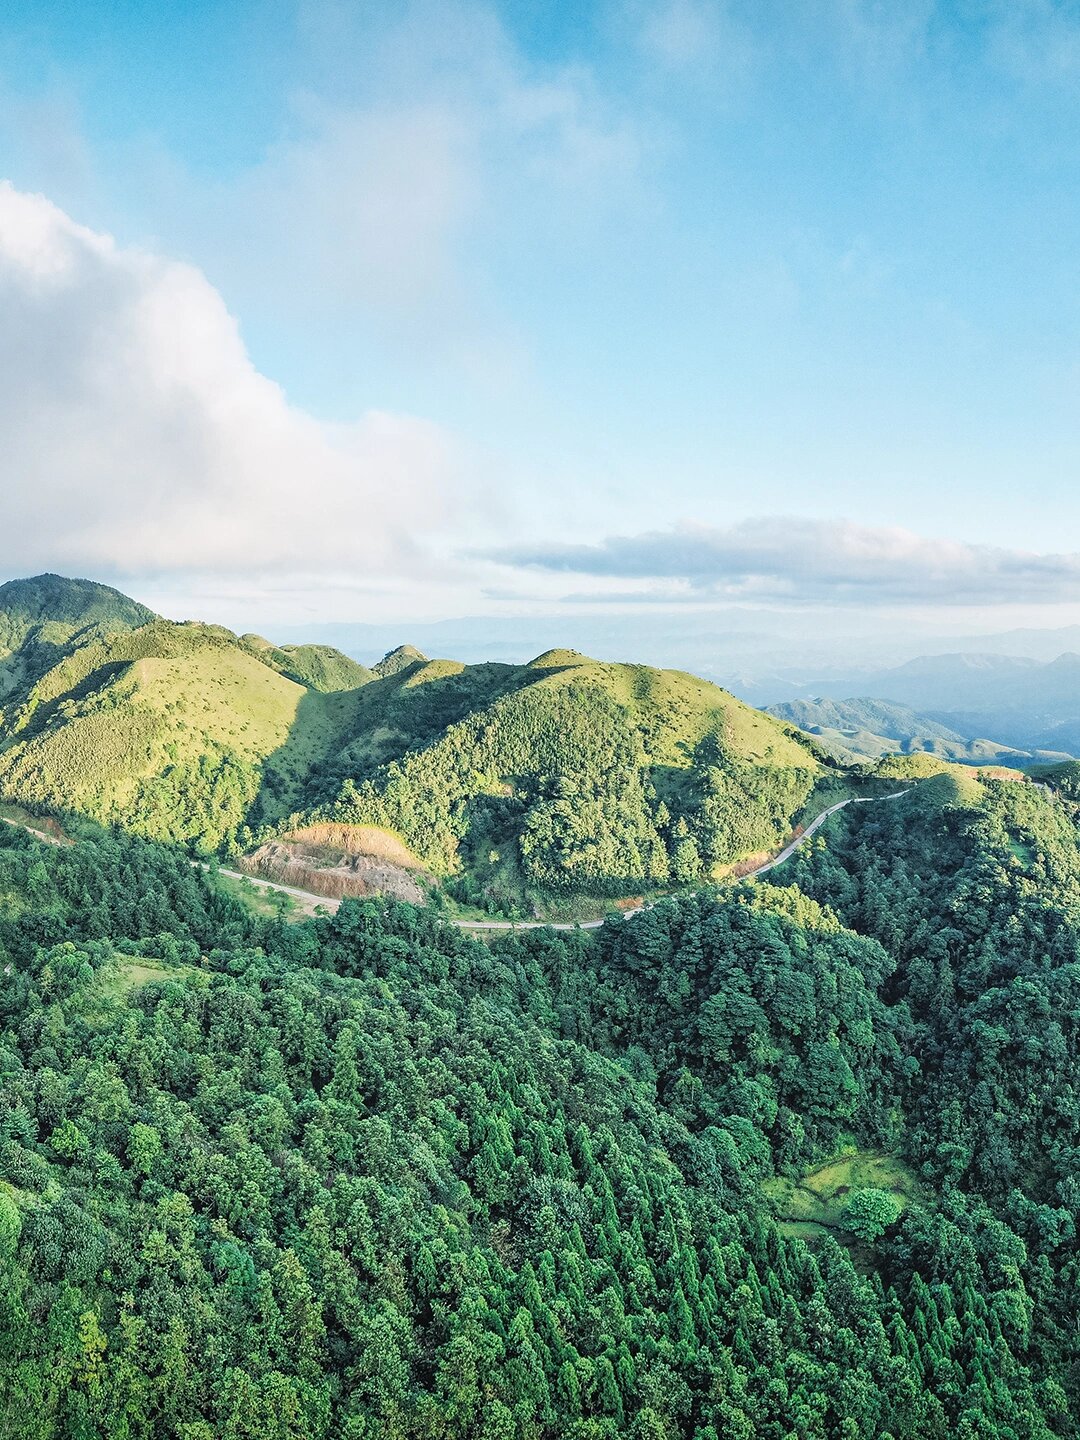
(394, 661)
(40, 598)
(555, 659)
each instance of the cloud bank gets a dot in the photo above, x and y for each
(138, 436)
(779, 559)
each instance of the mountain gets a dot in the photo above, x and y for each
(71, 605)
(1027, 643)
(173, 731)
(39, 617)
(317, 667)
(509, 786)
(403, 657)
(566, 775)
(1025, 703)
(862, 729)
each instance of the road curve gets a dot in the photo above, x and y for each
(308, 897)
(815, 825)
(37, 834)
(789, 850)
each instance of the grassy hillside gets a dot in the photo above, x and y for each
(318, 667)
(176, 732)
(66, 604)
(40, 617)
(1064, 778)
(514, 785)
(567, 775)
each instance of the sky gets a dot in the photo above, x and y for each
(314, 311)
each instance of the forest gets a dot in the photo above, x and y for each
(768, 1161)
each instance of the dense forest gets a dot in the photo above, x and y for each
(772, 1161)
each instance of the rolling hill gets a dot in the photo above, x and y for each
(175, 732)
(1026, 703)
(510, 786)
(867, 729)
(41, 617)
(567, 775)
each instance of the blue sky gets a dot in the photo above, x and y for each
(502, 295)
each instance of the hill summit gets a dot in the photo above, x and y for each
(42, 615)
(509, 786)
(397, 660)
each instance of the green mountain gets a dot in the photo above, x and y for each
(567, 775)
(866, 729)
(177, 732)
(1024, 702)
(768, 1161)
(403, 658)
(510, 785)
(316, 667)
(40, 617)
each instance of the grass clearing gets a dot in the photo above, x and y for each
(817, 1200)
(128, 975)
(268, 904)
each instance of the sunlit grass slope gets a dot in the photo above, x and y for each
(176, 732)
(512, 784)
(40, 617)
(568, 773)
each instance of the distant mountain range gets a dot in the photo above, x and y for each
(866, 729)
(1021, 702)
(764, 656)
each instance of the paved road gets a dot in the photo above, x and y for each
(308, 898)
(815, 825)
(37, 834)
(789, 850)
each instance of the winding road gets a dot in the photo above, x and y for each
(311, 899)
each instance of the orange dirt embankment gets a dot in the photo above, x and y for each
(339, 861)
(42, 827)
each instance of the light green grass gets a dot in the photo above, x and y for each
(268, 904)
(128, 975)
(818, 1198)
(944, 783)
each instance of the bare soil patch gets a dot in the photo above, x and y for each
(324, 869)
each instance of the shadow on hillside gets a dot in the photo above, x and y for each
(302, 770)
(100, 678)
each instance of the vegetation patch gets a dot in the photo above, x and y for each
(128, 975)
(822, 1198)
(260, 900)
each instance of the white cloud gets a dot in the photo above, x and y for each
(363, 206)
(813, 562)
(137, 435)
(413, 139)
